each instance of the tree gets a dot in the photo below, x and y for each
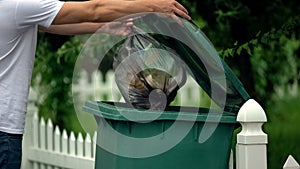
(239, 28)
(52, 77)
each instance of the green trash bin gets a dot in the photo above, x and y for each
(187, 153)
(178, 137)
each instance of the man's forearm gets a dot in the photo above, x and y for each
(114, 10)
(116, 28)
(73, 29)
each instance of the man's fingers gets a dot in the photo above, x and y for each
(181, 13)
(129, 22)
(180, 10)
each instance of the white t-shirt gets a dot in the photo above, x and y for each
(18, 36)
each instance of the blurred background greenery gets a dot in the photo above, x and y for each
(260, 41)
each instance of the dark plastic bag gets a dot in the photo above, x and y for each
(147, 73)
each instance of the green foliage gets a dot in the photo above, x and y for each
(52, 78)
(276, 66)
(272, 36)
(53, 75)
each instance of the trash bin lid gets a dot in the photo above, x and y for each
(204, 64)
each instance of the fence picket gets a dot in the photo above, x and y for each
(110, 79)
(94, 143)
(35, 124)
(57, 143)
(80, 146)
(49, 135)
(231, 160)
(64, 142)
(189, 94)
(43, 133)
(291, 163)
(88, 146)
(72, 144)
(49, 138)
(43, 138)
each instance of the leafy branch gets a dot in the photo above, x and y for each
(287, 29)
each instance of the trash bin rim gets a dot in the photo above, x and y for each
(108, 110)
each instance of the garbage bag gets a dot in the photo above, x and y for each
(147, 73)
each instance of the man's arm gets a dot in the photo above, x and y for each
(109, 10)
(72, 29)
(116, 28)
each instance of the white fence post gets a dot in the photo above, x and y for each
(251, 148)
(291, 163)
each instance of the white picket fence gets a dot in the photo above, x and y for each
(47, 147)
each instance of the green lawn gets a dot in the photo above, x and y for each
(283, 129)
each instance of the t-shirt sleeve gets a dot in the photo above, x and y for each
(37, 12)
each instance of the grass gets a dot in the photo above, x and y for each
(283, 129)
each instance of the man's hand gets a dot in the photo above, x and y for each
(170, 7)
(118, 28)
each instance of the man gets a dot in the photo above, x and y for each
(18, 35)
